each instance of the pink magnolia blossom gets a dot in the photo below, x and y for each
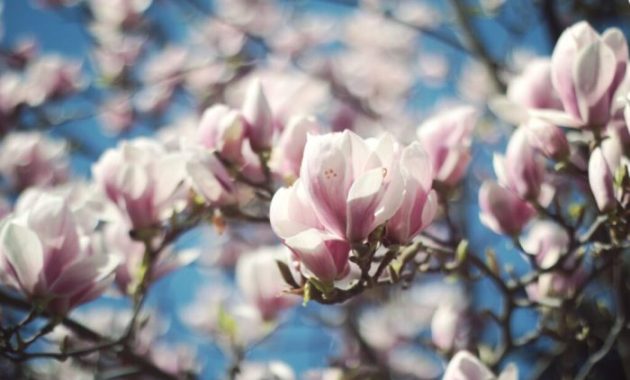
(353, 184)
(586, 69)
(549, 139)
(141, 178)
(88, 204)
(289, 92)
(465, 366)
(50, 77)
(293, 218)
(447, 138)
(211, 179)
(602, 167)
(503, 211)
(420, 203)
(530, 90)
(49, 260)
(176, 359)
(259, 280)
(223, 129)
(32, 159)
(286, 156)
(258, 118)
(549, 242)
(522, 169)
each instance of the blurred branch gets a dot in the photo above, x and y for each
(477, 46)
(554, 26)
(125, 352)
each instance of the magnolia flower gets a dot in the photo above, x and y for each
(212, 181)
(530, 90)
(259, 280)
(586, 69)
(447, 138)
(602, 167)
(555, 285)
(549, 139)
(141, 178)
(258, 117)
(50, 77)
(223, 129)
(88, 204)
(293, 218)
(549, 242)
(503, 211)
(465, 366)
(32, 159)
(44, 254)
(354, 187)
(522, 170)
(286, 156)
(420, 203)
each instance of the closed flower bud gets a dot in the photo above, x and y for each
(549, 139)
(286, 157)
(503, 211)
(223, 130)
(522, 169)
(447, 138)
(258, 118)
(420, 203)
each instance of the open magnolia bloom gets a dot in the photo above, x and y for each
(133, 177)
(293, 219)
(45, 255)
(349, 187)
(586, 70)
(33, 159)
(354, 187)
